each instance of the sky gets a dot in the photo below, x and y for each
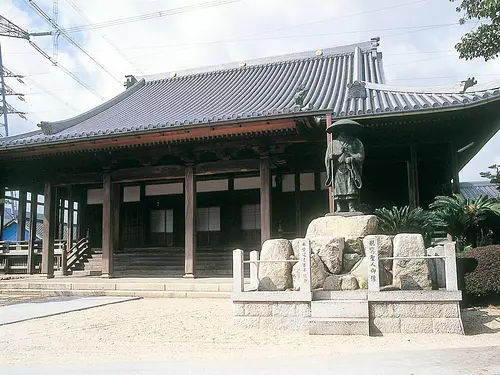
(417, 43)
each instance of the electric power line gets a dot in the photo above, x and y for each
(148, 16)
(68, 72)
(117, 49)
(69, 38)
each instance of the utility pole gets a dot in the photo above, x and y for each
(4, 102)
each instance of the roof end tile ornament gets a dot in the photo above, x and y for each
(469, 82)
(357, 90)
(46, 127)
(299, 97)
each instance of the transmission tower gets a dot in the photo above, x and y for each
(10, 29)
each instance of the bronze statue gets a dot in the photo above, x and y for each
(344, 159)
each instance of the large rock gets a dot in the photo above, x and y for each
(349, 260)
(410, 274)
(340, 226)
(385, 250)
(275, 276)
(349, 282)
(360, 271)
(330, 250)
(295, 247)
(318, 273)
(437, 267)
(354, 245)
(333, 282)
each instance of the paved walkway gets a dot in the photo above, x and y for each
(466, 361)
(210, 287)
(39, 309)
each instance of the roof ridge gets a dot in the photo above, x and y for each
(366, 46)
(456, 88)
(49, 127)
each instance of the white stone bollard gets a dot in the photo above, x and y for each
(450, 265)
(238, 275)
(373, 265)
(254, 270)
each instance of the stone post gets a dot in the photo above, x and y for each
(450, 265)
(305, 265)
(373, 269)
(254, 269)
(238, 275)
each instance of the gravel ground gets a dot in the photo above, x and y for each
(169, 329)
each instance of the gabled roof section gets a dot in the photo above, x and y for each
(347, 81)
(280, 86)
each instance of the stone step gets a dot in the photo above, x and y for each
(339, 309)
(339, 326)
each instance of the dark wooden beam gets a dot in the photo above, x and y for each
(49, 214)
(117, 201)
(172, 135)
(190, 222)
(32, 234)
(21, 216)
(454, 168)
(265, 199)
(78, 179)
(107, 226)
(227, 166)
(298, 221)
(163, 172)
(412, 168)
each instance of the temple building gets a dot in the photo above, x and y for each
(178, 170)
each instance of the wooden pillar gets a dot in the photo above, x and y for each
(412, 169)
(32, 235)
(454, 169)
(82, 215)
(190, 222)
(21, 216)
(298, 221)
(117, 200)
(331, 204)
(69, 233)
(49, 215)
(107, 225)
(265, 199)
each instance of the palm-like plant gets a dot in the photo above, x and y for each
(405, 220)
(462, 217)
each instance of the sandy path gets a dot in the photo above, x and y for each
(165, 329)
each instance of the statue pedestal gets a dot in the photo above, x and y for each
(339, 225)
(345, 214)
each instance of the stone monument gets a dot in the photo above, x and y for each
(344, 166)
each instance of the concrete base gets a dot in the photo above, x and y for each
(339, 326)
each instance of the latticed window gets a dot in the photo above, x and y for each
(250, 216)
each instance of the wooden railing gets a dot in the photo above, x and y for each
(14, 255)
(80, 250)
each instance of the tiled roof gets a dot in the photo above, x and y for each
(472, 190)
(348, 81)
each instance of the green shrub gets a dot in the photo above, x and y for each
(404, 220)
(484, 282)
(463, 218)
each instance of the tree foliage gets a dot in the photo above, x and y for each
(493, 176)
(483, 41)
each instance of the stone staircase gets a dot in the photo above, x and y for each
(92, 266)
(339, 317)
